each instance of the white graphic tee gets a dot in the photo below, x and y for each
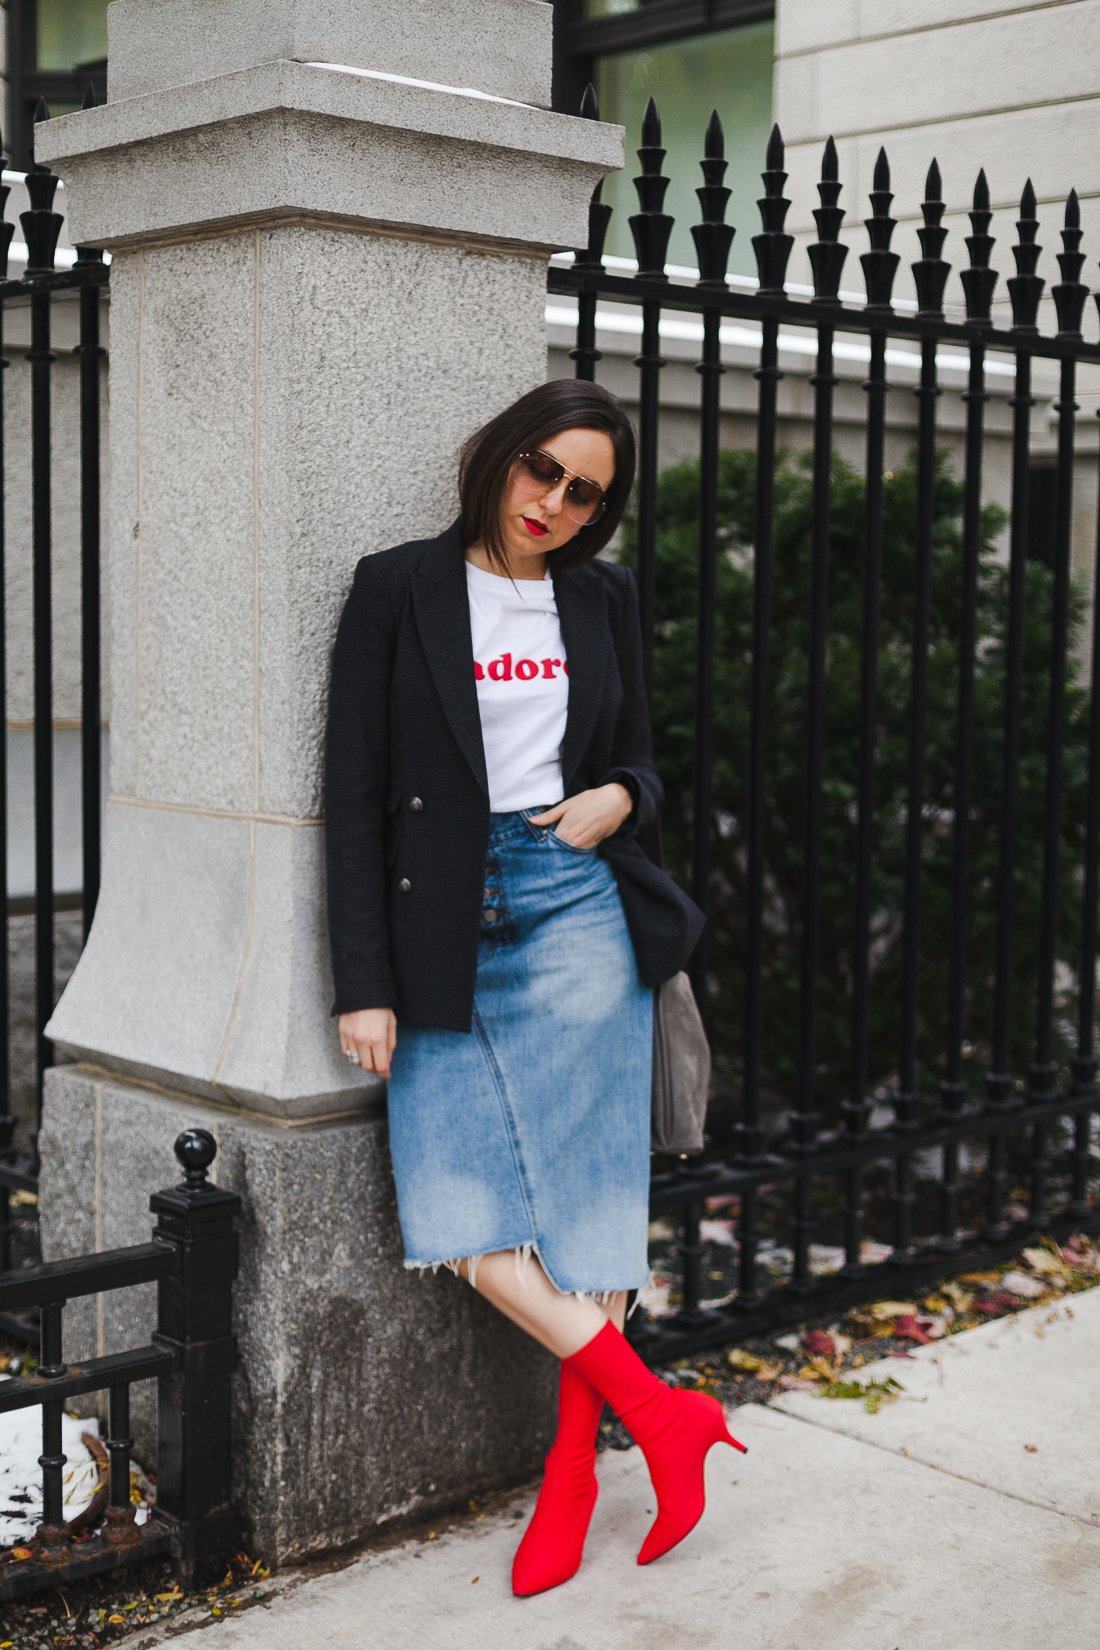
(522, 687)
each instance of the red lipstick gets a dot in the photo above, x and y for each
(535, 527)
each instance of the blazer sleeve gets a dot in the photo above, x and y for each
(357, 766)
(632, 751)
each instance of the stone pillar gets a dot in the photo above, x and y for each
(329, 225)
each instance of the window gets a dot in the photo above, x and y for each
(730, 72)
(55, 48)
(692, 56)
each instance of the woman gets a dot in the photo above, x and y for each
(496, 928)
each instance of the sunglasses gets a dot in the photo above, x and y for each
(537, 473)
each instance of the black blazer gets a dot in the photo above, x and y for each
(406, 793)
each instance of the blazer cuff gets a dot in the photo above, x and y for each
(353, 998)
(629, 781)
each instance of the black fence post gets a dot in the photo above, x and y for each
(599, 216)
(41, 228)
(194, 1321)
(7, 1118)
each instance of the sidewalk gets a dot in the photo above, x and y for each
(929, 1526)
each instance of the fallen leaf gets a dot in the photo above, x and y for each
(995, 1306)
(980, 1280)
(740, 1359)
(816, 1340)
(874, 1394)
(769, 1372)
(892, 1309)
(1023, 1285)
(911, 1328)
(1042, 1261)
(1032, 1449)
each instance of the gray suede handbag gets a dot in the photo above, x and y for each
(681, 1070)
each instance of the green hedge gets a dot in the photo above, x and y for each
(678, 499)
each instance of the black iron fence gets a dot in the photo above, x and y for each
(40, 287)
(935, 1105)
(192, 1258)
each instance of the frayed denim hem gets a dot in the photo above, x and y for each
(522, 1253)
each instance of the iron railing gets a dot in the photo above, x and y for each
(192, 1355)
(921, 1120)
(39, 288)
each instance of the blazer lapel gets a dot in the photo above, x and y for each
(582, 611)
(443, 619)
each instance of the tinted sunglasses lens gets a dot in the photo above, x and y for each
(583, 500)
(540, 468)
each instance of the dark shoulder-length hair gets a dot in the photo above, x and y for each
(487, 457)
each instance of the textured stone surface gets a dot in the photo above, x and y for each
(291, 138)
(207, 965)
(1017, 60)
(497, 46)
(241, 501)
(364, 1391)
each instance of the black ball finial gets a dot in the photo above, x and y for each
(195, 1150)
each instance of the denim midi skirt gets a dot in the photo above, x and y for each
(532, 1131)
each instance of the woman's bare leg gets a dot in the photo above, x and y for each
(561, 1323)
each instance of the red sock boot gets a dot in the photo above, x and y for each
(553, 1542)
(674, 1429)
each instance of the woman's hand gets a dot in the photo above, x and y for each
(372, 1033)
(585, 819)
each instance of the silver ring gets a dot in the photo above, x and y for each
(353, 1056)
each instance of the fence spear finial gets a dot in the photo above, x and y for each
(714, 236)
(89, 101)
(651, 226)
(979, 280)
(41, 225)
(1025, 288)
(773, 246)
(599, 214)
(1070, 293)
(7, 230)
(880, 264)
(827, 255)
(930, 271)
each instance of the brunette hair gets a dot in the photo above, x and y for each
(486, 460)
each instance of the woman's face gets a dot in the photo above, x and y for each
(536, 525)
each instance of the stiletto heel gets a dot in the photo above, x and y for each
(725, 1436)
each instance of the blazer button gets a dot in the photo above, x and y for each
(404, 886)
(416, 806)
(489, 916)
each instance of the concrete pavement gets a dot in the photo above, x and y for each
(929, 1526)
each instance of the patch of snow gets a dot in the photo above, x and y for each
(21, 1475)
